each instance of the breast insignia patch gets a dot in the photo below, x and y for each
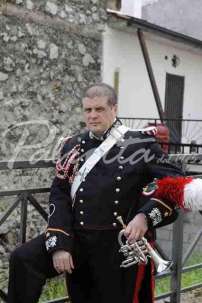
(150, 188)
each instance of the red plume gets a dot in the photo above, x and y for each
(172, 189)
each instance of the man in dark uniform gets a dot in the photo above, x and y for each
(81, 238)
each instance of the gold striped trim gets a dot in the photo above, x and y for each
(59, 230)
(162, 203)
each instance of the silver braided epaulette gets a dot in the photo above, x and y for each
(150, 130)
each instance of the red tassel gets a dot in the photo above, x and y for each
(139, 279)
(172, 189)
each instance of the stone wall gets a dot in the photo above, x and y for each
(50, 51)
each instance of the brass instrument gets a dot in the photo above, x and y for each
(139, 252)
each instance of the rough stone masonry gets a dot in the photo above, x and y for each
(50, 51)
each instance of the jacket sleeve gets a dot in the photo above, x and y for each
(158, 212)
(59, 235)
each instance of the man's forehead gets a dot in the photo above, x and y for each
(95, 101)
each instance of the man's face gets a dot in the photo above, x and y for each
(98, 114)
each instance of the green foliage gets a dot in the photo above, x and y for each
(162, 286)
(189, 278)
(54, 288)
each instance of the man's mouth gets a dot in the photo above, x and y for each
(94, 123)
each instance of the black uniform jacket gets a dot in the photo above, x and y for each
(112, 188)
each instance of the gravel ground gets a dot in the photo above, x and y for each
(194, 296)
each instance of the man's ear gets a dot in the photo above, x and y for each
(116, 108)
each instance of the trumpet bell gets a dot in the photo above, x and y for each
(159, 262)
(163, 266)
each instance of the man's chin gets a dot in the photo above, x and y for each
(97, 131)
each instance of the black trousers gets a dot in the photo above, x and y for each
(97, 277)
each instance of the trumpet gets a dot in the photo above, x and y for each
(139, 252)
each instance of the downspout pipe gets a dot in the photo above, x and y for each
(150, 72)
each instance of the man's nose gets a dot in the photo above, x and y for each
(93, 114)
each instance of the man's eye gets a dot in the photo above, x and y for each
(87, 110)
(100, 109)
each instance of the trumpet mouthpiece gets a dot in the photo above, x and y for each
(119, 218)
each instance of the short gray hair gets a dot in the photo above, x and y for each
(102, 90)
